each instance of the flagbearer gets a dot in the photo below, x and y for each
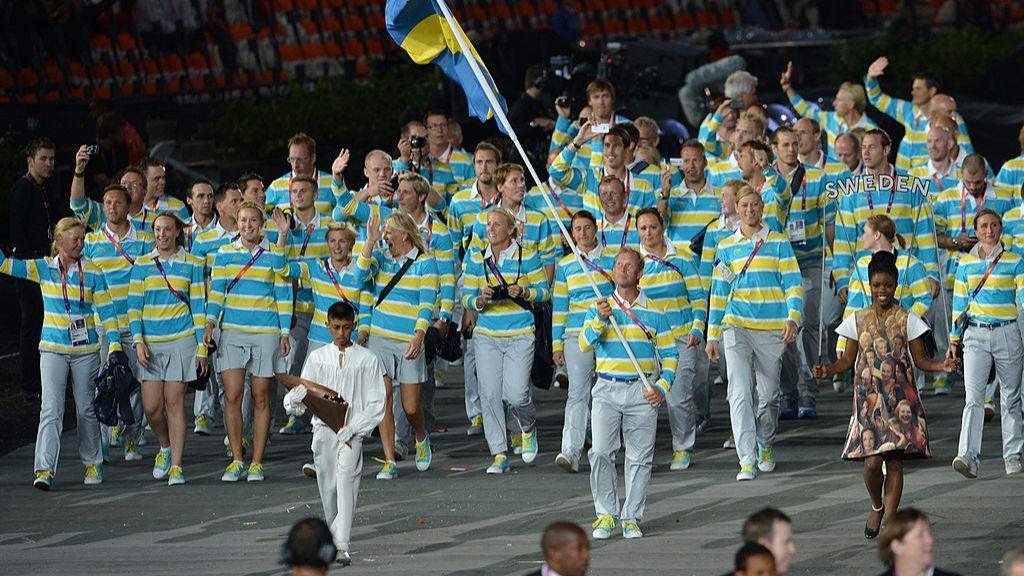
(624, 403)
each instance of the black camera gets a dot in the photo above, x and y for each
(562, 101)
(418, 141)
(499, 293)
(736, 105)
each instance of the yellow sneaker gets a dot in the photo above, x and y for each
(94, 474)
(44, 480)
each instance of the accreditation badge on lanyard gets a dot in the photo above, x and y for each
(796, 227)
(78, 330)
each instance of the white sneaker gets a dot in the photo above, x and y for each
(568, 464)
(630, 530)
(729, 442)
(344, 558)
(1013, 466)
(967, 469)
(746, 473)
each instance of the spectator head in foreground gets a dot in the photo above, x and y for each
(906, 543)
(566, 549)
(310, 548)
(753, 559)
(1012, 563)
(772, 529)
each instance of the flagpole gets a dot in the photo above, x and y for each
(503, 120)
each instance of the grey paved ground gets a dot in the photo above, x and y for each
(453, 522)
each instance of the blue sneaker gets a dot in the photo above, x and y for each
(807, 411)
(162, 463)
(530, 446)
(499, 466)
(423, 454)
(389, 471)
(603, 526)
(234, 472)
(765, 458)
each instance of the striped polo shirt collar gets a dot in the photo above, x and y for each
(976, 252)
(179, 255)
(761, 234)
(194, 225)
(505, 254)
(640, 302)
(264, 243)
(130, 235)
(670, 249)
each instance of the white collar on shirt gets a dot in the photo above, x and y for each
(990, 192)
(640, 302)
(131, 234)
(760, 235)
(199, 229)
(263, 243)
(976, 251)
(504, 254)
(55, 263)
(620, 223)
(670, 248)
(596, 253)
(933, 171)
(179, 255)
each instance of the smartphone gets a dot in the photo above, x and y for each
(93, 150)
(601, 128)
(677, 162)
(736, 105)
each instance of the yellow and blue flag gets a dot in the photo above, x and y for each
(420, 28)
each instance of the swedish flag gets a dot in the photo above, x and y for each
(420, 28)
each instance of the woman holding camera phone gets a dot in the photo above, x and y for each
(166, 313)
(502, 281)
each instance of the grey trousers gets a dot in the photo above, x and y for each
(54, 368)
(504, 376)
(982, 348)
(621, 410)
(681, 404)
(580, 368)
(337, 478)
(762, 351)
(797, 381)
(472, 390)
(403, 430)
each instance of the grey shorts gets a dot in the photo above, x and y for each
(392, 354)
(170, 361)
(258, 354)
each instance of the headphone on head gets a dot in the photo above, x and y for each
(309, 543)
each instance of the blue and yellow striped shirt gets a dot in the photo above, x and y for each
(260, 301)
(718, 230)
(91, 212)
(811, 207)
(830, 122)
(87, 297)
(955, 209)
(714, 148)
(999, 297)
(640, 187)
(611, 355)
(691, 210)
(911, 213)
(409, 307)
(592, 152)
(535, 232)
(307, 242)
(315, 274)
(1011, 175)
(117, 264)
(915, 123)
(155, 314)
(673, 284)
(913, 293)
(466, 204)
(567, 202)
(572, 295)
(764, 297)
(279, 193)
(438, 174)
(518, 265)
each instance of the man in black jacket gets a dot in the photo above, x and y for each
(33, 214)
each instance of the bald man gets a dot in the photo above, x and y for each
(566, 550)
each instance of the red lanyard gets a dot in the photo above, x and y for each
(64, 286)
(160, 267)
(632, 316)
(117, 245)
(937, 181)
(334, 280)
(625, 231)
(803, 194)
(305, 243)
(987, 273)
(963, 210)
(597, 268)
(244, 269)
(448, 157)
(757, 247)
